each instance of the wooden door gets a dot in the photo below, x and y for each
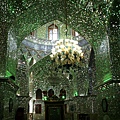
(54, 110)
(55, 113)
(19, 114)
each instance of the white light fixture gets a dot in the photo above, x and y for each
(66, 52)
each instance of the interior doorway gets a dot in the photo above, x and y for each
(54, 110)
(19, 114)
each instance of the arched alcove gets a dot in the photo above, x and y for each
(62, 93)
(88, 22)
(39, 94)
(92, 29)
(50, 93)
(92, 72)
(53, 32)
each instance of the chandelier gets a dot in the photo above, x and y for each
(67, 53)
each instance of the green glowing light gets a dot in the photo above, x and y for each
(107, 77)
(63, 97)
(76, 93)
(8, 74)
(45, 98)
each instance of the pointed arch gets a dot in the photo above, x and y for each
(53, 32)
(50, 93)
(39, 94)
(62, 93)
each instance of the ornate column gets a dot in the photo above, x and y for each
(3, 47)
(114, 37)
(109, 92)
